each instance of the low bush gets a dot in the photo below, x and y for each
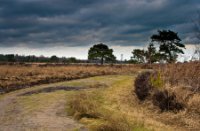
(143, 85)
(166, 101)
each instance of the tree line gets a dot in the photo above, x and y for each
(40, 59)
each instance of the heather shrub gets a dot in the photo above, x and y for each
(146, 82)
(166, 101)
(143, 85)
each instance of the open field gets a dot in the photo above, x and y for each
(13, 77)
(39, 108)
(96, 103)
(101, 102)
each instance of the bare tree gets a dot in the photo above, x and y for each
(196, 55)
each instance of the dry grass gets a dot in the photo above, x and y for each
(82, 105)
(13, 77)
(100, 109)
(182, 80)
(89, 108)
(186, 75)
(117, 108)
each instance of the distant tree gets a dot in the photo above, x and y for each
(151, 54)
(132, 61)
(101, 52)
(72, 60)
(170, 45)
(54, 58)
(10, 57)
(2, 58)
(139, 56)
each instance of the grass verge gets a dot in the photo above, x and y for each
(101, 109)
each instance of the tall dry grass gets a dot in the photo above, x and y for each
(186, 75)
(89, 105)
(13, 77)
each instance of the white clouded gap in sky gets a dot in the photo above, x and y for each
(82, 52)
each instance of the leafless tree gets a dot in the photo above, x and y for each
(196, 55)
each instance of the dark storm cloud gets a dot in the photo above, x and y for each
(38, 23)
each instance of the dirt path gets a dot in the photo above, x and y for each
(53, 118)
(13, 117)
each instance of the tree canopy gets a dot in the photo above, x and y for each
(170, 44)
(138, 55)
(101, 52)
(152, 55)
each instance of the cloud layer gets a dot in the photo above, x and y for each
(42, 23)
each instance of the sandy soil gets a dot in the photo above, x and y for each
(13, 117)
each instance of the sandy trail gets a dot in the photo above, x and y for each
(51, 118)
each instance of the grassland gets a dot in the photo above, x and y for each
(100, 103)
(50, 110)
(13, 77)
(118, 108)
(102, 109)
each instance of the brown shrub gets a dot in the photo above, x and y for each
(143, 85)
(166, 101)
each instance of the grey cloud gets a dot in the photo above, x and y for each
(40, 23)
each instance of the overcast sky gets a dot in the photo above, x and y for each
(70, 27)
